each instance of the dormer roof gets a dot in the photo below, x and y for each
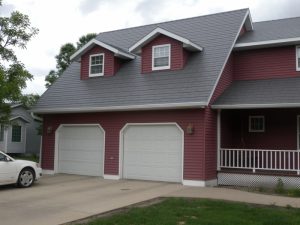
(187, 44)
(117, 51)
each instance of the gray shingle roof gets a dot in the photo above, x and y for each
(283, 92)
(215, 33)
(272, 30)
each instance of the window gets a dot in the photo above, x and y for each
(16, 133)
(298, 58)
(96, 65)
(256, 124)
(2, 157)
(161, 57)
(1, 133)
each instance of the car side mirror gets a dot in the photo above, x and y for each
(6, 159)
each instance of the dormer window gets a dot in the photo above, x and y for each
(96, 65)
(161, 57)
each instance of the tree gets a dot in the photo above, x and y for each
(15, 32)
(29, 100)
(63, 58)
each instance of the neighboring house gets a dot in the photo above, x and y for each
(200, 101)
(21, 134)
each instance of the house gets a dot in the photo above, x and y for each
(200, 101)
(21, 134)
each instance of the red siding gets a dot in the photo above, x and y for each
(111, 63)
(280, 129)
(210, 144)
(265, 63)
(225, 80)
(178, 53)
(112, 122)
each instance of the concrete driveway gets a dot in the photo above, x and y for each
(62, 198)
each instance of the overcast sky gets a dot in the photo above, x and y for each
(62, 21)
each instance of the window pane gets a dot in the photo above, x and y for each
(96, 69)
(96, 60)
(161, 51)
(16, 133)
(257, 124)
(161, 62)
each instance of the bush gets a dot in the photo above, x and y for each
(279, 189)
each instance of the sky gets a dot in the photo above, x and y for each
(63, 21)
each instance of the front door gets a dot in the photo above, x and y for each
(7, 170)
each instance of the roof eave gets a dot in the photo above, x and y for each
(94, 42)
(186, 105)
(268, 43)
(255, 106)
(136, 48)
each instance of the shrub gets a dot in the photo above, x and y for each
(279, 189)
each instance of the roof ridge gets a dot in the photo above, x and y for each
(170, 21)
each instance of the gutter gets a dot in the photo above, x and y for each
(187, 105)
(36, 117)
(256, 106)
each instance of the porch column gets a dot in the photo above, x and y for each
(218, 138)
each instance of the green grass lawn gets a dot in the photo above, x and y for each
(179, 211)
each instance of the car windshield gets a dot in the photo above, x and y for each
(2, 157)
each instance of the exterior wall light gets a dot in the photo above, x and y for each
(190, 129)
(49, 129)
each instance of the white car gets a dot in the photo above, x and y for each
(20, 172)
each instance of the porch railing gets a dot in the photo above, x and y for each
(260, 159)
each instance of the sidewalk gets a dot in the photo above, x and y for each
(235, 195)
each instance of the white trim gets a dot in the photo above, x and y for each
(90, 65)
(19, 117)
(35, 117)
(169, 61)
(121, 142)
(298, 132)
(76, 125)
(297, 58)
(111, 177)
(87, 46)
(6, 128)
(146, 39)
(267, 43)
(218, 138)
(256, 106)
(228, 55)
(184, 105)
(250, 127)
(200, 183)
(49, 172)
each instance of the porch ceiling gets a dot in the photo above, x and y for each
(271, 93)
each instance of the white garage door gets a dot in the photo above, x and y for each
(152, 152)
(80, 150)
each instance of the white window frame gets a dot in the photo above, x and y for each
(297, 57)
(161, 67)
(256, 117)
(90, 65)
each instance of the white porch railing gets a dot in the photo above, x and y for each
(259, 159)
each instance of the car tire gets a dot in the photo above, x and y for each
(26, 178)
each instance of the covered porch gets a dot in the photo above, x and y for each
(258, 133)
(260, 144)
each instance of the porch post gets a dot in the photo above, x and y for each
(218, 138)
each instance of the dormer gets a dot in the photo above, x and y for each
(163, 50)
(99, 59)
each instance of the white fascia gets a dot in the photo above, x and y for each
(92, 42)
(149, 37)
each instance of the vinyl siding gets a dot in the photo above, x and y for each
(113, 122)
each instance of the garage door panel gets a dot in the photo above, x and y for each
(80, 150)
(152, 152)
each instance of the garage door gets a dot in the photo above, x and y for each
(152, 152)
(80, 150)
